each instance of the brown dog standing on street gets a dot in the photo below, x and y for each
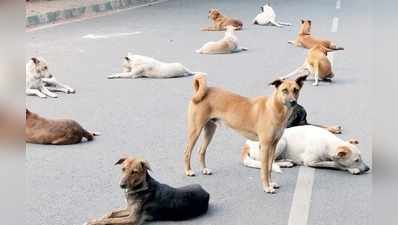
(260, 119)
(306, 40)
(39, 130)
(221, 22)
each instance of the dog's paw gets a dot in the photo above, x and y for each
(42, 96)
(206, 171)
(354, 171)
(270, 190)
(335, 129)
(315, 84)
(112, 76)
(286, 164)
(275, 185)
(190, 173)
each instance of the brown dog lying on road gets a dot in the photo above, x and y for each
(39, 130)
(221, 22)
(306, 40)
(260, 119)
(149, 200)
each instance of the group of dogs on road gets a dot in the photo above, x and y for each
(276, 127)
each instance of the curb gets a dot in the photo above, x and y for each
(111, 5)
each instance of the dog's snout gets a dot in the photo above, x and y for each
(367, 168)
(293, 102)
(123, 185)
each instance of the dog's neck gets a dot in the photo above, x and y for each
(281, 111)
(142, 187)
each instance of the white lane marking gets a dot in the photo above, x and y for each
(105, 36)
(301, 204)
(335, 24)
(338, 4)
(42, 27)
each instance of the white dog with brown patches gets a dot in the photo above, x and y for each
(40, 82)
(228, 44)
(136, 66)
(309, 146)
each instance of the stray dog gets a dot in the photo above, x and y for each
(259, 119)
(317, 64)
(310, 146)
(40, 82)
(221, 22)
(39, 130)
(136, 66)
(299, 118)
(306, 40)
(267, 17)
(229, 44)
(149, 200)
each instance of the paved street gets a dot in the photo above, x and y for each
(67, 185)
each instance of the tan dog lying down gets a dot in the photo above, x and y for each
(306, 40)
(317, 64)
(259, 119)
(229, 44)
(40, 130)
(221, 22)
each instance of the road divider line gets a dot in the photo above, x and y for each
(301, 204)
(338, 4)
(335, 24)
(105, 36)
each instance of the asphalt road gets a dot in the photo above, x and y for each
(67, 185)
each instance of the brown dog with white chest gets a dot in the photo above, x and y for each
(261, 119)
(39, 130)
(221, 22)
(306, 40)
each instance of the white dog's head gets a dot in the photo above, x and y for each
(348, 157)
(129, 61)
(265, 7)
(38, 67)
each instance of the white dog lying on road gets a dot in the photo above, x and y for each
(135, 66)
(268, 17)
(228, 44)
(310, 146)
(39, 80)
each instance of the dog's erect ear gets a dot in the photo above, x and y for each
(353, 141)
(300, 80)
(262, 8)
(35, 60)
(309, 21)
(120, 161)
(342, 152)
(145, 165)
(127, 58)
(302, 21)
(276, 82)
(28, 113)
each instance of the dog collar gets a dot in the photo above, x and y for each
(134, 191)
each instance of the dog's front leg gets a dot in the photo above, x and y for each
(322, 164)
(59, 86)
(30, 91)
(48, 92)
(117, 214)
(266, 165)
(117, 221)
(210, 29)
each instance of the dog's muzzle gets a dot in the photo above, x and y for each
(291, 103)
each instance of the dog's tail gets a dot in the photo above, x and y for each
(200, 87)
(90, 136)
(334, 47)
(250, 162)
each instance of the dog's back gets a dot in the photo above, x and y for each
(168, 203)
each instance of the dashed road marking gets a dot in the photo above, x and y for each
(301, 204)
(335, 24)
(105, 36)
(338, 4)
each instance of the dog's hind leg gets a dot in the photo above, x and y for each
(30, 91)
(195, 126)
(209, 129)
(274, 23)
(299, 71)
(316, 74)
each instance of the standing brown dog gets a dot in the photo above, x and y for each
(221, 22)
(261, 119)
(306, 40)
(39, 130)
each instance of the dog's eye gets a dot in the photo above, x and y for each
(285, 91)
(134, 171)
(124, 169)
(357, 160)
(295, 91)
(45, 67)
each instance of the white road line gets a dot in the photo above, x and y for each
(338, 4)
(335, 24)
(301, 203)
(105, 36)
